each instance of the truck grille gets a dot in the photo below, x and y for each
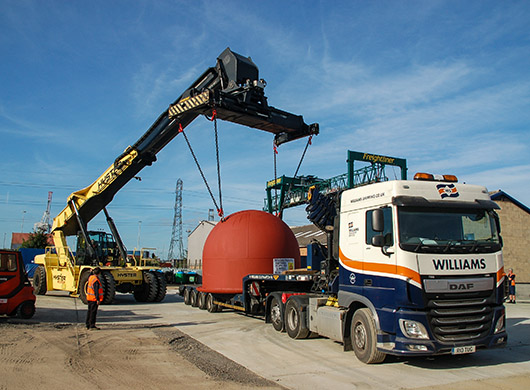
(456, 321)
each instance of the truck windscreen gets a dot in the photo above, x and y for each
(447, 230)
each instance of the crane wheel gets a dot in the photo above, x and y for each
(83, 282)
(39, 281)
(162, 287)
(109, 287)
(140, 292)
(152, 283)
(148, 290)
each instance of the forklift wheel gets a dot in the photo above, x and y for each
(26, 310)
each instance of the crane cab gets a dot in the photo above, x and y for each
(105, 249)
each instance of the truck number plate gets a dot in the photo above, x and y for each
(3, 300)
(463, 350)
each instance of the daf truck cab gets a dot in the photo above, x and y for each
(423, 259)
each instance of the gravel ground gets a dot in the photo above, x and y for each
(65, 356)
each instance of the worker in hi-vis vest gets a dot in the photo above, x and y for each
(94, 296)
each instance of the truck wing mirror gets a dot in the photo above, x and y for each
(378, 241)
(378, 221)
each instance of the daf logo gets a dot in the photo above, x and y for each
(461, 286)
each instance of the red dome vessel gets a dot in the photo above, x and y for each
(244, 243)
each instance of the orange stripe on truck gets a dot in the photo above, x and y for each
(500, 275)
(382, 268)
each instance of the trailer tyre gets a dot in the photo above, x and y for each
(26, 310)
(187, 297)
(210, 306)
(294, 324)
(39, 281)
(201, 300)
(276, 314)
(364, 337)
(109, 287)
(83, 282)
(193, 298)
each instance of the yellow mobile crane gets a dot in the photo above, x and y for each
(231, 91)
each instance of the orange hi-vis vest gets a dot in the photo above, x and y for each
(90, 293)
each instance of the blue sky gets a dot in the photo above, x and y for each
(444, 84)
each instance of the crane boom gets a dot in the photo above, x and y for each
(232, 88)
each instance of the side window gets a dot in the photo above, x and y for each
(387, 233)
(8, 262)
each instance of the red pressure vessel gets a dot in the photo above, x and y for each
(244, 243)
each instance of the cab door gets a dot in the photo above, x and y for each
(379, 264)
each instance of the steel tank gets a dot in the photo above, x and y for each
(245, 243)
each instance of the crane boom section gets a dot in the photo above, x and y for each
(232, 88)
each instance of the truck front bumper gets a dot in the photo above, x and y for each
(403, 344)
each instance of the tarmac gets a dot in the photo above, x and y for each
(316, 362)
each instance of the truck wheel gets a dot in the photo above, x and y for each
(276, 314)
(187, 297)
(201, 300)
(295, 327)
(39, 280)
(162, 287)
(210, 306)
(26, 310)
(193, 298)
(109, 287)
(83, 282)
(364, 337)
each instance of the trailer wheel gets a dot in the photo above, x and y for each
(26, 310)
(162, 287)
(109, 287)
(210, 306)
(39, 281)
(83, 282)
(364, 337)
(296, 328)
(276, 314)
(187, 297)
(201, 300)
(193, 298)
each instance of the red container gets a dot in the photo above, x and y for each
(245, 243)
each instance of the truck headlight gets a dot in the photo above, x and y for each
(413, 329)
(499, 326)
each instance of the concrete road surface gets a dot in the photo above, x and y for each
(316, 363)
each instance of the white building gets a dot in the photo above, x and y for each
(196, 240)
